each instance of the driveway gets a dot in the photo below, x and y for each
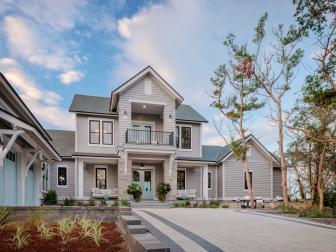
(234, 230)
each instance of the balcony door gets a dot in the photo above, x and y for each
(142, 131)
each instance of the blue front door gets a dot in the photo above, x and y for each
(8, 178)
(145, 179)
(30, 187)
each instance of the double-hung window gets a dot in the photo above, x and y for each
(183, 137)
(94, 130)
(101, 132)
(209, 180)
(62, 176)
(181, 179)
(107, 132)
(101, 178)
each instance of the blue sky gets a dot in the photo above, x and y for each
(51, 50)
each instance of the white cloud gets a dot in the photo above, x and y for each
(44, 103)
(60, 15)
(28, 43)
(71, 76)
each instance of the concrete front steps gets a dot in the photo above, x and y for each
(151, 204)
(138, 238)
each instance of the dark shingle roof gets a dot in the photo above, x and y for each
(90, 104)
(210, 153)
(187, 113)
(63, 141)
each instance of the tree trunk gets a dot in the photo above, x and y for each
(320, 183)
(282, 154)
(299, 182)
(249, 183)
(315, 185)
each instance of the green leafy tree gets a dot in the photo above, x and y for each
(235, 76)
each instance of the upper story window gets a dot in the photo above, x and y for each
(183, 137)
(94, 129)
(101, 132)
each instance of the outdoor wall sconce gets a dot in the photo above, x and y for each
(125, 114)
(170, 117)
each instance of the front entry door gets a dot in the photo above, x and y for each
(145, 179)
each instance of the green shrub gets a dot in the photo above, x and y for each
(65, 226)
(4, 214)
(179, 204)
(115, 203)
(96, 232)
(162, 190)
(50, 198)
(135, 190)
(195, 205)
(85, 224)
(225, 206)
(287, 209)
(316, 213)
(69, 201)
(92, 202)
(35, 217)
(103, 202)
(330, 197)
(21, 239)
(204, 204)
(214, 204)
(45, 231)
(125, 203)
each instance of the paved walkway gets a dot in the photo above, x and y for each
(233, 230)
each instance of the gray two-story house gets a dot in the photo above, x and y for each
(141, 133)
(144, 133)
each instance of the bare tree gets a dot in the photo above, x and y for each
(235, 77)
(273, 71)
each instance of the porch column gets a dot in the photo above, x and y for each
(80, 179)
(205, 182)
(124, 175)
(170, 176)
(38, 173)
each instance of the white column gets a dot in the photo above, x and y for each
(80, 179)
(37, 182)
(205, 182)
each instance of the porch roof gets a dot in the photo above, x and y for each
(63, 141)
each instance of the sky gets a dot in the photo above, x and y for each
(51, 50)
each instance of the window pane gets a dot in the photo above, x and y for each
(209, 179)
(101, 178)
(136, 176)
(185, 137)
(62, 176)
(108, 133)
(181, 180)
(246, 180)
(94, 130)
(177, 139)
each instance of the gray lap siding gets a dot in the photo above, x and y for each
(212, 192)
(63, 191)
(277, 190)
(90, 175)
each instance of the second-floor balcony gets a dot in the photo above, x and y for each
(149, 137)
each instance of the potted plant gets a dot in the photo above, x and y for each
(135, 190)
(162, 190)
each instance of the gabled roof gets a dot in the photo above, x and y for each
(21, 108)
(91, 104)
(146, 71)
(218, 154)
(188, 113)
(63, 141)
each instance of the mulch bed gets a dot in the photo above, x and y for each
(112, 240)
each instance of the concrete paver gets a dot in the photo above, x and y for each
(233, 230)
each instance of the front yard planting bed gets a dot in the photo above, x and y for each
(111, 239)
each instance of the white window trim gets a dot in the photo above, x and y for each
(185, 178)
(95, 174)
(209, 188)
(67, 176)
(245, 190)
(180, 138)
(101, 120)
